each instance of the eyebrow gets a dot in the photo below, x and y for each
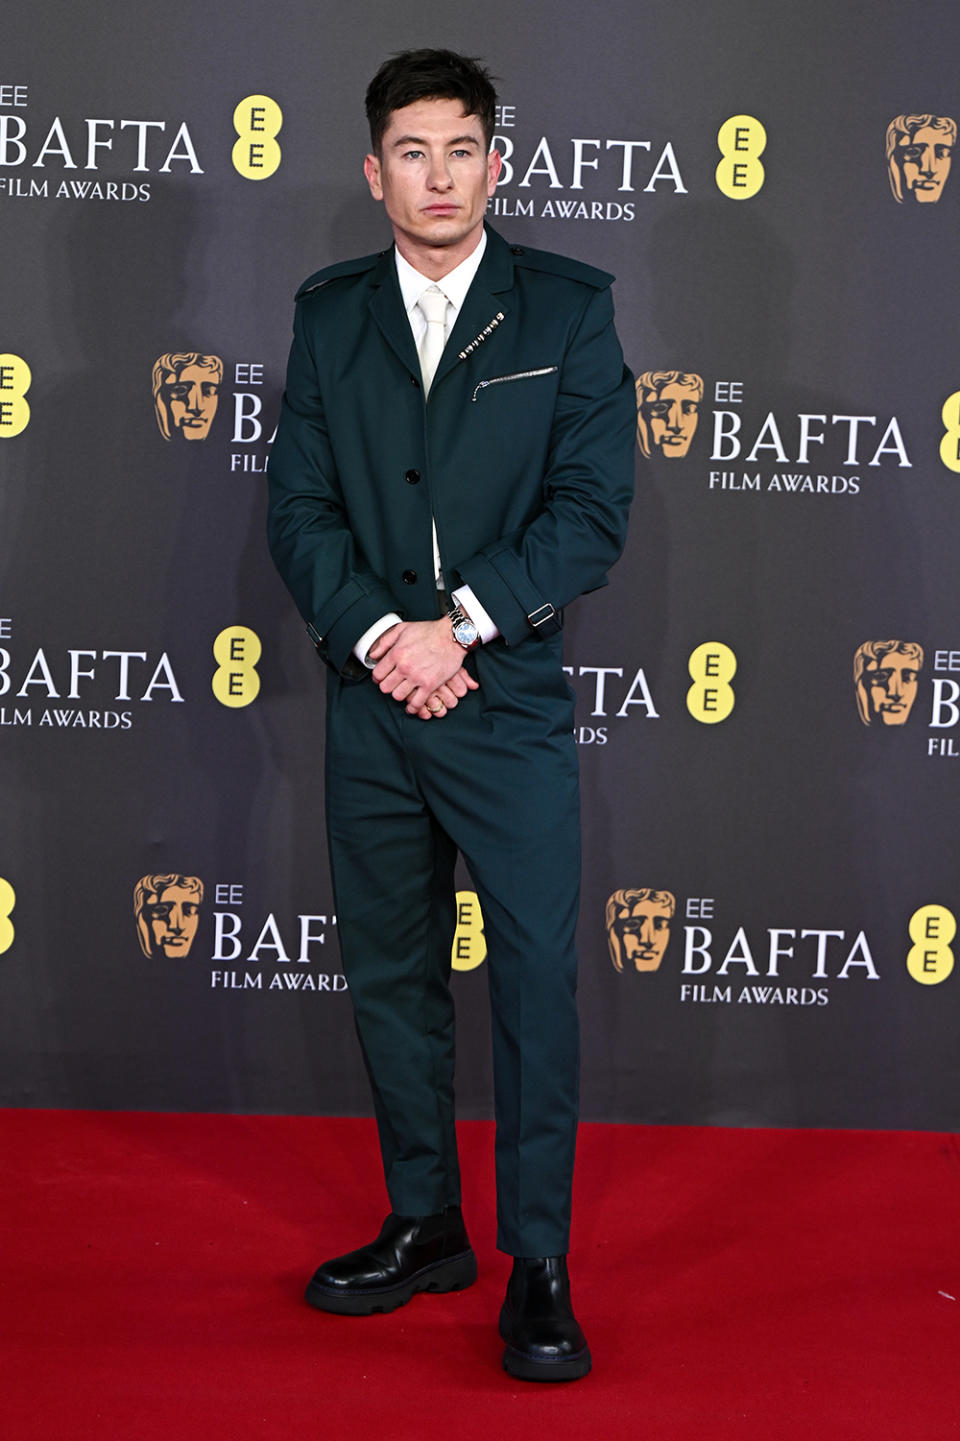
(418, 140)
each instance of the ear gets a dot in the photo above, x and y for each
(371, 169)
(494, 165)
(144, 937)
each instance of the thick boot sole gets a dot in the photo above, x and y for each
(528, 1368)
(454, 1273)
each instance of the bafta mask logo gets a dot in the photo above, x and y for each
(919, 152)
(186, 391)
(167, 913)
(885, 674)
(668, 405)
(638, 928)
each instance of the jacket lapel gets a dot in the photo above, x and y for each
(386, 308)
(485, 314)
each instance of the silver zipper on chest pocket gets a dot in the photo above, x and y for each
(517, 375)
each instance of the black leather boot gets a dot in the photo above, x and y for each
(411, 1253)
(544, 1341)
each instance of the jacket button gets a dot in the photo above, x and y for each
(414, 381)
(409, 577)
(412, 477)
(517, 250)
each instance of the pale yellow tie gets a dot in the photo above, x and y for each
(433, 306)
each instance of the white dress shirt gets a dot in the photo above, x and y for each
(454, 286)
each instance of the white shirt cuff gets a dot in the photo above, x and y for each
(373, 634)
(468, 603)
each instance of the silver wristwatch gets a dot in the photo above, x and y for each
(465, 633)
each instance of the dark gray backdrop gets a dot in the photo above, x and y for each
(819, 295)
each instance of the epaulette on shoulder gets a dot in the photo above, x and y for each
(553, 264)
(334, 272)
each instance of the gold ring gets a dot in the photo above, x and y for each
(437, 708)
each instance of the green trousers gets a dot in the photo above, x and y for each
(497, 780)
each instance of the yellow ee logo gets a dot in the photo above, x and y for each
(7, 902)
(742, 140)
(930, 959)
(950, 444)
(15, 381)
(469, 943)
(235, 681)
(713, 666)
(257, 121)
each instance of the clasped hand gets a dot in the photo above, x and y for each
(418, 661)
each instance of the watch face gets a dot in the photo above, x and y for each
(466, 632)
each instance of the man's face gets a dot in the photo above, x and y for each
(192, 398)
(173, 916)
(925, 163)
(644, 930)
(892, 687)
(671, 418)
(434, 177)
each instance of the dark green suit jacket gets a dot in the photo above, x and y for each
(523, 453)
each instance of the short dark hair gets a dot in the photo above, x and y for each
(430, 75)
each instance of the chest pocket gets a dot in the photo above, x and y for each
(515, 375)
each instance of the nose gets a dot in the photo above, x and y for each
(926, 160)
(895, 687)
(193, 401)
(175, 923)
(439, 177)
(646, 932)
(674, 418)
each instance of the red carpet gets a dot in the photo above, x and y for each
(749, 1284)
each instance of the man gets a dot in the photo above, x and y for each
(186, 392)
(919, 156)
(478, 443)
(167, 913)
(638, 927)
(885, 676)
(668, 406)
